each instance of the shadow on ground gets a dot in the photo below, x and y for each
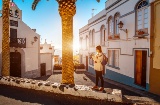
(85, 78)
(44, 78)
(45, 98)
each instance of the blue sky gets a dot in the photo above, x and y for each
(47, 21)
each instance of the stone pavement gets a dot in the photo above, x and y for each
(83, 81)
(130, 94)
(67, 91)
(10, 95)
(8, 101)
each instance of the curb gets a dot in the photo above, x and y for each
(63, 89)
(137, 91)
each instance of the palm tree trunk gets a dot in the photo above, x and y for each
(67, 10)
(5, 39)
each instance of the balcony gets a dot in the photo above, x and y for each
(18, 42)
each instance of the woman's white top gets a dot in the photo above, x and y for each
(98, 58)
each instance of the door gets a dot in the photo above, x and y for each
(43, 69)
(87, 63)
(13, 37)
(13, 33)
(15, 64)
(140, 67)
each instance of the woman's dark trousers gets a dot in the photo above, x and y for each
(99, 75)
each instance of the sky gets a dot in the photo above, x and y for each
(47, 21)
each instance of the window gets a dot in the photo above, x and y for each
(81, 58)
(110, 26)
(116, 21)
(13, 33)
(86, 42)
(16, 13)
(102, 35)
(142, 17)
(90, 38)
(80, 43)
(93, 37)
(91, 62)
(13, 23)
(113, 58)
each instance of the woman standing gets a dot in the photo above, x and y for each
(98, 67)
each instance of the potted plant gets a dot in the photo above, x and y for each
(140, 32)
(116, 36)
(109, 37)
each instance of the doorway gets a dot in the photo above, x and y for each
(140, 67)
(87, 63)
(43, 69)
(15, 64)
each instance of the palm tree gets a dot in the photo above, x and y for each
(67, 10)
(5, 39)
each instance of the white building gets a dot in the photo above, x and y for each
(46, 58)
(24, 46)
(58, 56)
(127, 48)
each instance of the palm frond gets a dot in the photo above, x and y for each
(34, 4)
(98, 0)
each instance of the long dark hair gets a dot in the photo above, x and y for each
(99, 48)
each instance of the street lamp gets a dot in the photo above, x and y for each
(120, 25)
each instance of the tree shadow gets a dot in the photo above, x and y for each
(111, 86)
(44, 78)
(28, 95)
(47, 98)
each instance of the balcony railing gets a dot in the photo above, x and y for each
(18, 42)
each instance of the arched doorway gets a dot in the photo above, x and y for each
(15, 64)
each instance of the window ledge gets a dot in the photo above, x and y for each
(141, 36)
(113, 67)
(103, 45)
(92, 46)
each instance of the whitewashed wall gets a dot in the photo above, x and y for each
(46, 49)
(127, 44)
(30, 55)
(47, 58)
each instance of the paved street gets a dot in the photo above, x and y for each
(10, 95)
(85, 78)
(18, 96)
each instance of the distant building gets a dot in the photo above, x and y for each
(46, 58)
(57, 59)
(24, 46)
(123, 30)
(58, 56)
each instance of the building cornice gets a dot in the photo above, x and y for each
(83, 31)
(113, 4)
(97, 19)
(97, 23)
(117, 6)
